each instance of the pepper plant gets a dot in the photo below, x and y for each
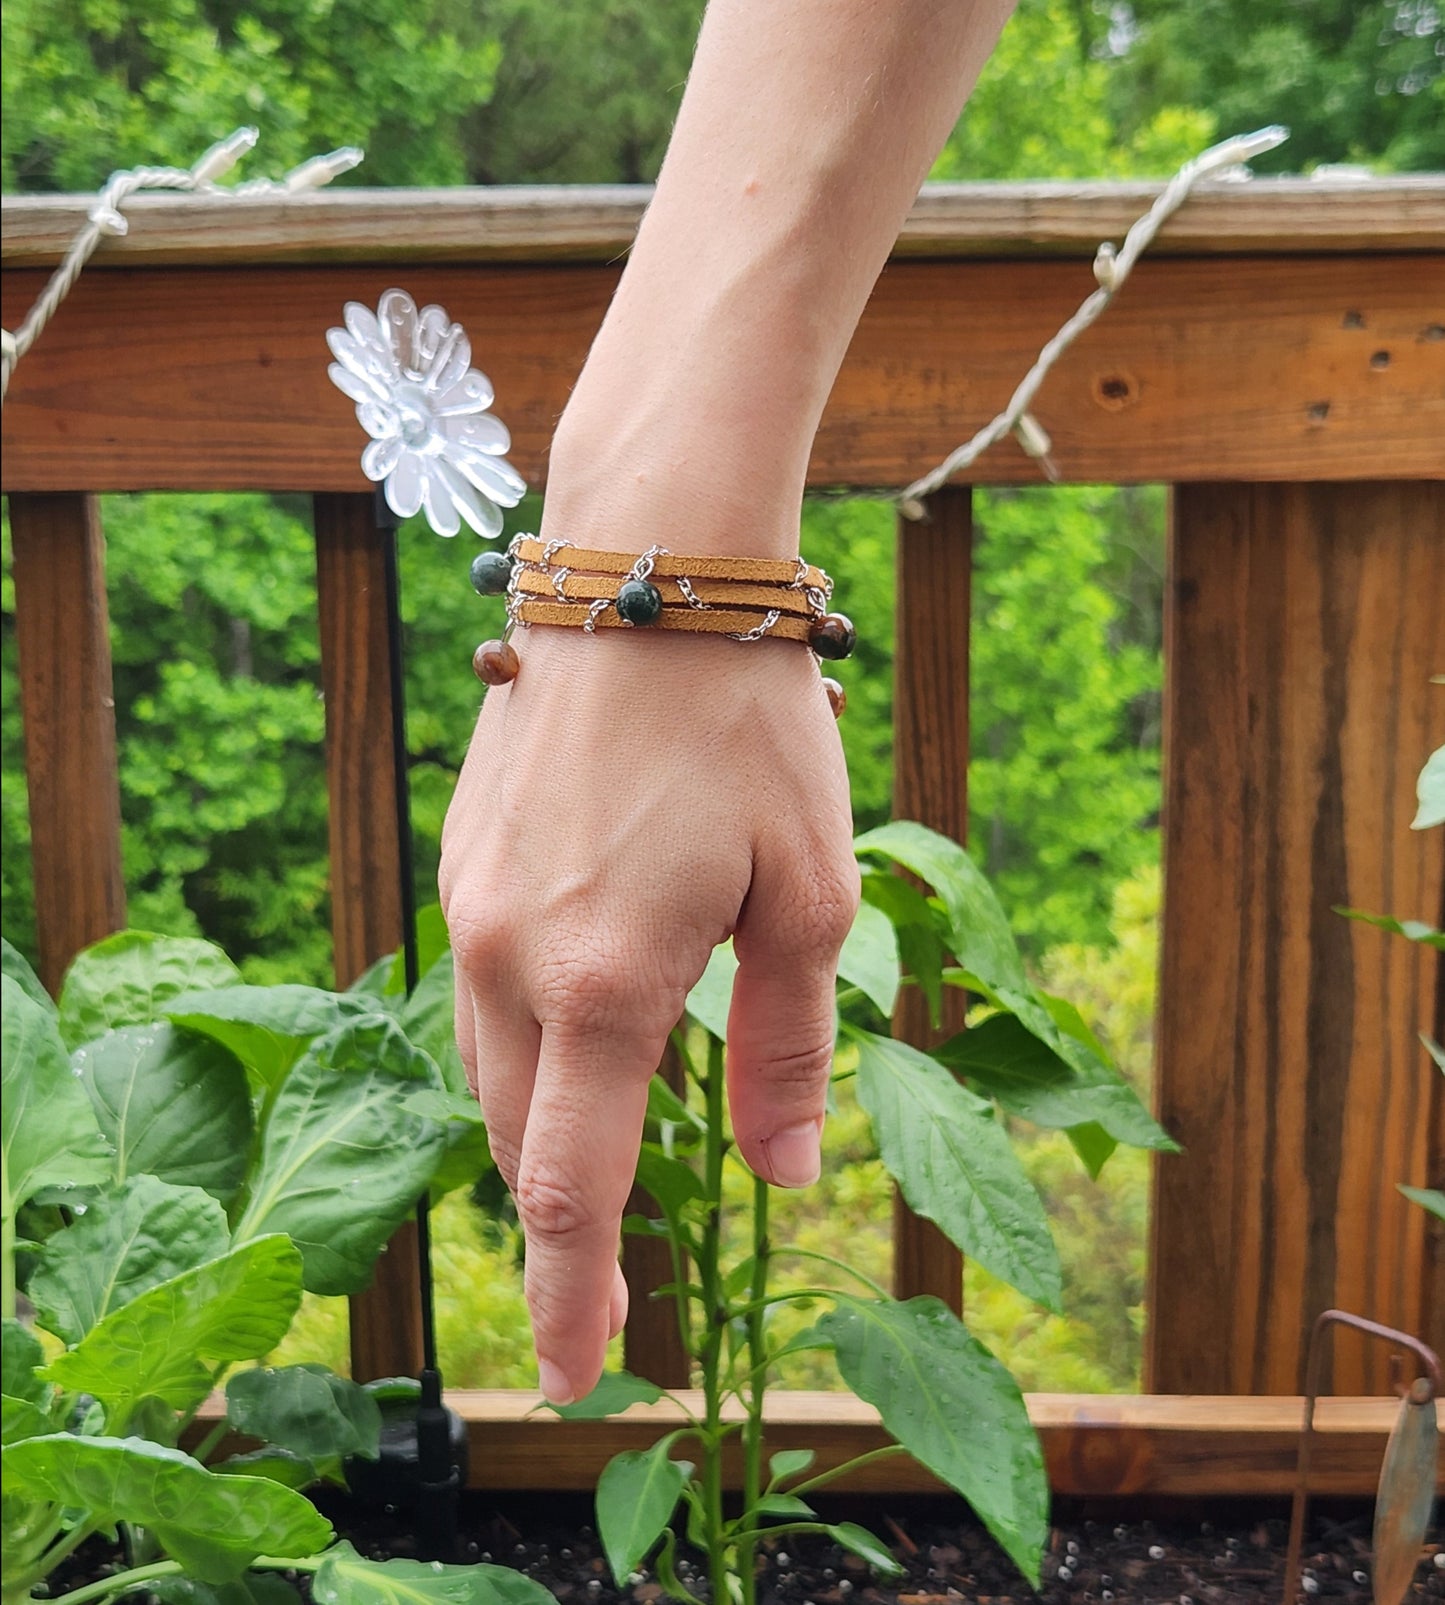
(940, 1119)
(183, 1156)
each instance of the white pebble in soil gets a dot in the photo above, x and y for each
(1311, 1585)
(1156, 1552)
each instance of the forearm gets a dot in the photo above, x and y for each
(803, 136)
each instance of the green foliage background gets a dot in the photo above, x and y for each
(213, 598)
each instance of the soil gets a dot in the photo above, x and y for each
(1179, 1559)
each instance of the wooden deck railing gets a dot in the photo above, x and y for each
(1279, 360)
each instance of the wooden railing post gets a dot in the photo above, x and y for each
(1302, 625)
(68, 704)
(930, 784)
(366, 916)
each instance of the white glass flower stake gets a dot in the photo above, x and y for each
(434, 446)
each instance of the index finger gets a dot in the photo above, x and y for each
(579, 1157)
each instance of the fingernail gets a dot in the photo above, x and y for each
(795, 1155)
(552, 1380)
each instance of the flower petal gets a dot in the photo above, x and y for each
(483, 431)
(349, 385)
(493, 476)
(441, 512)
(378, 419)
(381, 456)
(484, 516)
(396, 313)
(369, 366)
(449, 362)
(404, 486)
(432, 327)
(362, 326)
(473, 394)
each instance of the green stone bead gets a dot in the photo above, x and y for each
(491, 573)
(639, 602)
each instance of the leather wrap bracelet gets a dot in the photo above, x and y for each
(743, 599)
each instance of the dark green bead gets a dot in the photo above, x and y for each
(491, 572)
(833, 637)
(639, 602)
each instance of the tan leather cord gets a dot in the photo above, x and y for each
(719, 621)
(668, 565)
(590, 587)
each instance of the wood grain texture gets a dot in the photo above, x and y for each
(930, 784)
(596, 222)
(1311, 368)
(1303, 623)
(366, 916)
(1095, 1445)
(68, 705)
(652, 1345)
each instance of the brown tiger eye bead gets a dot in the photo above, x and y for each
(837, 696)
(833, 636)
(496, 662)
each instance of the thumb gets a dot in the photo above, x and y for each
(781, 1026)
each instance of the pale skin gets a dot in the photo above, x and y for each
(632, 799)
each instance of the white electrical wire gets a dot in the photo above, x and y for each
(1111, 268)
(106, 220)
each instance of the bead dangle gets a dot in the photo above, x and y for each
(745, 599)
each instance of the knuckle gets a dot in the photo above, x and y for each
(832, 902)
(507, 1157)
(549, 1206)
(603, 991)
(480, 939)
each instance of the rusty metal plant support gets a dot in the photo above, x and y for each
(1406, 1491)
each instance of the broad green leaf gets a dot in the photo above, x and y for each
(1430, 1198)
(342, 1161)
(870, 957)
(276, 1465)
(672, 1182)
(1093, 1145)
(781, 1507)
(130, 979)
(954, 1408)
(1430, 789)
(666, 1108)
(371, 983)
(20, 1355)
(1004, 1060)
(861, 1542)
(636, 1496)
(19, 1418)
(709, 1001)
(615, 1391)
(266, 1027)
(306, 1409)
(173, 1105)
(979, 934)
(344, 1578)
(917, 921)
(954, 1164)
(429, 1021)
(214, 1526)
(790, 1463)
(13, 964)
(251, 1588)
(1411, 930)
(167, 1341)
(48, 1132)
(143, 1233)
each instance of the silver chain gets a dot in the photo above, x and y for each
(758, 631)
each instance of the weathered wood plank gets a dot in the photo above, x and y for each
(68, 706)
(366, 913)
(930, 784)
(1303, 623)
(1315, 368)
(1095, 1445)
(595, 222)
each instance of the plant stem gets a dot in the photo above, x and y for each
(55, 1554)
(715, 1316)
(834, 1472)
(122, 1582)
(203, 1449)
(757, 1386)
(7, 1266)
(842, 1265)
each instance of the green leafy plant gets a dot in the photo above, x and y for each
(940, 1120)
(183, 1156)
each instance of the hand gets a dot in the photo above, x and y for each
(629, 802)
